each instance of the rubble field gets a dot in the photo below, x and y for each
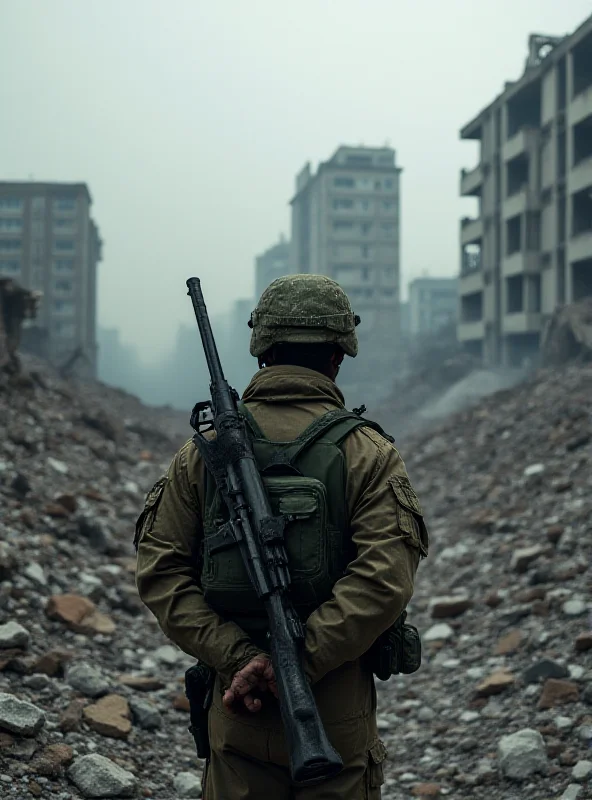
(91, 693)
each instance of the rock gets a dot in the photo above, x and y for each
(38, 682)
(438, 633)
(544, 669)
(426, 790)
(574, 608)
(583, 642)
(8, 561)
(557, 693)
(53, 760)
(582, 771)
(20, 484)
(524, 557)
(167, 654)
(52, 662)
(87, 680)
(13, 635)
(187, 785)
(533, 470)
(20, 717)
(181, 703)
(145, 714)
(96, 532)
(449, 607)
(496, 683)
(110, 427)
(522, 754)
(67, 501)
(58, 466)
(141, 683)
(71, 718)
(554, 533)
(97, 776)
(80, 614)
(35, 573)
(110, 716)
(509, 643)
(572, 792)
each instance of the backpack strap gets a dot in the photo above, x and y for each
(335, 426)
(252, 423)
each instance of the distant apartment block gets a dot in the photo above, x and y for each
(345, 224)
(433, 304)
(49, 243)
(529, 249)
(272, 264)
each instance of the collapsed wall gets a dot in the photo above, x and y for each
(16, 305)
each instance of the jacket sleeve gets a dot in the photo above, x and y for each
(168, 536)
(389, 536)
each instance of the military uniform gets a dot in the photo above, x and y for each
(248, 753)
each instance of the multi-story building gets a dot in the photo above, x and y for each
(529, 249)
(272, 264)
(345, 224)
(433, 304)
(50, 244)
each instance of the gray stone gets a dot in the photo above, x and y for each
(20, 717)
(87, 680)
(145, 714)
(582, 771)
(167, 654)
(96, 532)
(574, 608)
(187, 785)
(438, 633)
(14, 635)
(522, 754)
(38, 681)
(545, 669)
(572, 792)
(97, 776)
(58, 466)
(35, 573)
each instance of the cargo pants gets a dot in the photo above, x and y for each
(249, 760)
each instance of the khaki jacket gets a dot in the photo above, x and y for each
(366, 601)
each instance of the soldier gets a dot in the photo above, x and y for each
(353, 562)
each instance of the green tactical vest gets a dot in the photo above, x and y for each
(306, 481)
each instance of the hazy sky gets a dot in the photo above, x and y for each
(190, 118)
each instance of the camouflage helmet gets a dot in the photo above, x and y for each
(305, 309)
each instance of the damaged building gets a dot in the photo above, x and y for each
(50, 244)
(17, 306)
(528, 249)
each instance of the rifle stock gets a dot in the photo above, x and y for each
(259, 536)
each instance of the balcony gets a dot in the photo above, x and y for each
(520, 263)
(580, 247)
(524, 200)
(522, 142)
(471, 230)
(521, 322)
(471, 181)
(580, 177)
(470, 282)
(471, 331)
(580, 107)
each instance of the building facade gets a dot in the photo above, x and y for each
(272, 264)
(433, 304)
(529, 249)
(345, 224)
(50, 244)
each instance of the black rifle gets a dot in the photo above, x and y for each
(260, 536)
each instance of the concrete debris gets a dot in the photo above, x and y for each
(16, 305)
(568, 335)
(485, 667)
(522, 754)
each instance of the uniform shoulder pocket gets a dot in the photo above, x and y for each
(409, 514)
(146, 519)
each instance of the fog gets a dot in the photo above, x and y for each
(189, 120)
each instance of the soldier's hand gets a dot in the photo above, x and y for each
(254, 678)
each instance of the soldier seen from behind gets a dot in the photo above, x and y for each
(354, 537)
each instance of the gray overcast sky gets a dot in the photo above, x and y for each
(189, 120)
